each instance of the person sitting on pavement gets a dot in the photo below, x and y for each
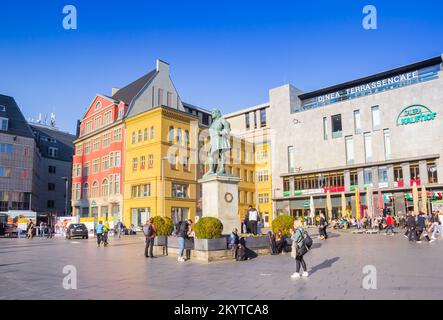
(280, 241)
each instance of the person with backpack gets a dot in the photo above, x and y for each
(234, 240)
(301, 243)
(99, 230)
(149, 232)
(182, 232)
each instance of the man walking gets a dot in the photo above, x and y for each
(182, 232)
(389, 225)
(410, 225)
(421, 228)
(253, 218)
(322, 227)
(149, 232)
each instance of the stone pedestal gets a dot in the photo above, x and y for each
(220, 200)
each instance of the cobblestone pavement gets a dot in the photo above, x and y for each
(33, 269)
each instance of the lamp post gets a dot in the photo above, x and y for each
(66, 194)
(274, 203)
(163, 186)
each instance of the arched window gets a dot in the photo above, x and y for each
(179, 136)
(171, 134)
(86, 191)
(186, 138)
(98, 105)
(105, 188)
(133, 137)
(146, 135)
(77, 191)
(152, 133)
(139, 136)
(94, 189)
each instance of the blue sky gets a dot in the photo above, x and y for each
(225, 54)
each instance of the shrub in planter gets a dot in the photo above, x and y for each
(164, 226)
(283, 223)
(208, 228)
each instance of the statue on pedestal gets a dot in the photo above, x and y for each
(219, 133)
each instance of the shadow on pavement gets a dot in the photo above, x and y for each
(324, 265)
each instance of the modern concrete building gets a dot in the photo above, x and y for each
(381, 132)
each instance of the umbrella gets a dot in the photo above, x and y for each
(424, 200)
(343, 204)
(357, 204)
(380, 203)
(328, 205)
(415, 197)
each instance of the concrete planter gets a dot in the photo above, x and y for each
(211, 244)
(174, 243)
(257, 242)
(160, 240)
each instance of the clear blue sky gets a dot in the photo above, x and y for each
(225, 54)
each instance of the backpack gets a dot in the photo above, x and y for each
(307, 240)
(241, 253)
(147, 230)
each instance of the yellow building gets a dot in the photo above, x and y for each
(160, 167)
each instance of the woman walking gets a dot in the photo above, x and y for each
(300, 249)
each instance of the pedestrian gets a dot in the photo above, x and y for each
(149, 231)
(119, 229)
(246, 223)
(410, 227)
(42, 229)
(182, 232)
(300, 249)
(30, 229)
(436, 227)
(421, 228)
(190, 237)
(233, 242)
(99, 230)
(322, 225)
(389, 225)
(253, 218)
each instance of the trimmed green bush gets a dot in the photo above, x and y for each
(164, 226)
(283, 223)
(208, 228)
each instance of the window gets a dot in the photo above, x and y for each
(96, 144)
(349, 150)
(245, 175)
(86, 169)
(2, 108)
(368, 146)
(6, 148)
(387, 139)
(160, 97)
(77, 170)
(150, 161)
(367, 174)
(262, 176)
(357, 122)
(106, 140)
(133, 137)
(111, 159)
(255, 120)
(86, 191)
(237, 174)
(52, 169)
(120, 113)
(140, 136)
(179, 136)
(169, 99)
(98, 105)
(105, 188)
(171, 134)
(382, 174)
(251, 176)
(245, 195)
(51, 186)
(173, 161)
(107, 118)
(325, 128)
(97, 123)
(105, 163)
(141, 191)
(94, 189)
(77, 194)
(134, 164)
(186, 138)
(4, 124)
(247, 122)
(353, 178)
(375, 118)
(87, 147)
(50, 204)
(179, 190)
(146, 135)
(432, 172)
(117, 134)
(152, 133)
(95, 166)
(79, 149)
(185, 163)
(262, 117)
(53, 152)
(291, 159)
(336, 126)
(117, 159)
(398, 173)
(88, 126)
(117, 184)
(415, 171)
(142, 162)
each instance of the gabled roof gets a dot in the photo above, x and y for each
(17, 124)
(128, 93)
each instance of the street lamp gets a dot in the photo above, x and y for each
(66, 194)
(163, 186)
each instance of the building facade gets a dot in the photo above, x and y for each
(380, 132)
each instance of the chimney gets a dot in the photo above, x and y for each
(162, 66)
(114, 90)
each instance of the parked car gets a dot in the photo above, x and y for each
(77, 230)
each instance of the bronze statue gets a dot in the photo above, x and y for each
(219, 133)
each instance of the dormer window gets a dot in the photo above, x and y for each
(2, 108)
(120, 113)
(98, 105)
(4, 124)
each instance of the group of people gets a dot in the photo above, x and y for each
(422, 225)
(44, 230)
